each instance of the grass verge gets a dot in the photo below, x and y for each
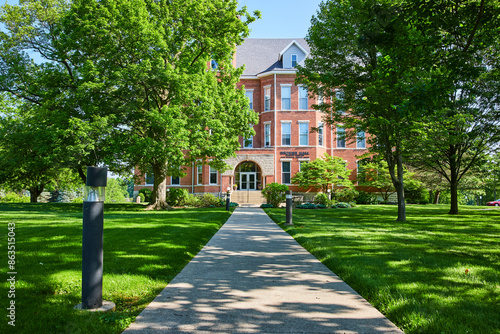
(143, 251)
(435, 273)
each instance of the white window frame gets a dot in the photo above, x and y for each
(360, 140)
(289, 97)
(339, 95)
(303, 89)
(296, 60)
(321, 139)
(249, 95)
(340, 128)
(301, 134)
(172, 181)
(289, 172)
(248, 142)
(199, 174)
(267, 98)
(211, 172)
(267, 134)
(289, 133)
(150, 176)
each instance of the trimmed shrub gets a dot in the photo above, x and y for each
(209, 200)
(147, 194)
(346, 195)
(322, 199)
(15, 198)
(177, 197)
(192, 201)
(343, 205)
(142, 198)
(275, 193)
(266, 206)
(366, 198)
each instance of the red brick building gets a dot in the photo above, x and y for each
(283, 138)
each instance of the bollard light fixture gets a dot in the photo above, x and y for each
(92, 241)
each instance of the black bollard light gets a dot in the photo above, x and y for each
(228, 199)
(288, 208)
(92, 243)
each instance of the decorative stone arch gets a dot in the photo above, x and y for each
(265, 163)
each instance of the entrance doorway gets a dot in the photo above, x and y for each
(248, 176)
(248, 181)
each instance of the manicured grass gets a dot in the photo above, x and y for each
(143, 251)
(435, 273)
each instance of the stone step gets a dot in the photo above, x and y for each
(247, 197)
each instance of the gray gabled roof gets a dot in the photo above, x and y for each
(261, 55)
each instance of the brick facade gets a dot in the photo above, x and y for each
(269, 160)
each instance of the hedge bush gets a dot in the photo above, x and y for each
(147, 194)
(275, 193)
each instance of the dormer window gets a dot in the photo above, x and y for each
(294, 60)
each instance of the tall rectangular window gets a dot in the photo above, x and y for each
(360, 139)
(286, 134)
(303, 134)
(339, 101)
(286, 175)
(294, 60)
(249, 95)
(175, 181)
(267, 135)
(267, 98)
(340, 137)
(286, 97)
(248, 142)
(150, 178)
(301, 164)
(213, 176)
(320, 134)
(199, 174)
(303, 102)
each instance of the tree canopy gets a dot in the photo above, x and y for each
(128, 82)
(327, 172)
(416, 75)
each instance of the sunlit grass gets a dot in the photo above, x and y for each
(435, 273)
(143, 251)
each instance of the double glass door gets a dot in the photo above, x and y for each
(248, 180)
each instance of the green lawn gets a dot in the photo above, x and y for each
(435, 273)
(143, 251)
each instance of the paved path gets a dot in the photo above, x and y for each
(252, 277)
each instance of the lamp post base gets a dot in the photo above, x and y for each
(106, 306)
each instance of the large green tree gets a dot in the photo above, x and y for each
(28, 145)
(149, 59)
(327, 172)
(127, 82)
(463, 124)
(41, 74)
(362, 57)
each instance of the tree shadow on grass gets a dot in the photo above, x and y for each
(143, 251)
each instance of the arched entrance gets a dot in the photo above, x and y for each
(248, 176)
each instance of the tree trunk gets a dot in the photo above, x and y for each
(454, 198)
(453, 182)
(159, 195)
(34, 193)
(436, 197)
(400, 189)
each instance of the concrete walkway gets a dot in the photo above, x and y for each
(252, 277)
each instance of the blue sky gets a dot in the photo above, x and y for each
(281, 18)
